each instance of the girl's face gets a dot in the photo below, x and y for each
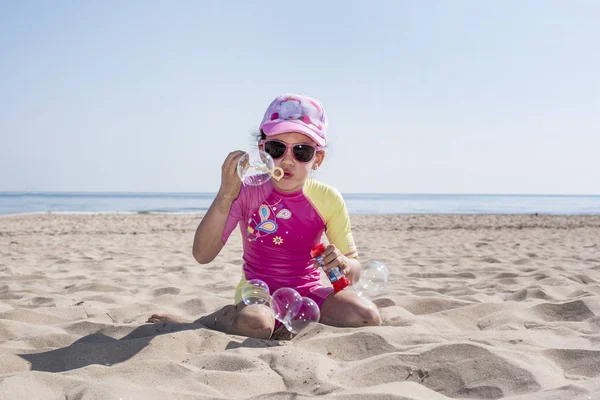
(295, 172)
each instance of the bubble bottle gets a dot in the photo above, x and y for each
(335, 275)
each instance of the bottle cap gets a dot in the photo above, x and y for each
(318, 250)
(340, 284)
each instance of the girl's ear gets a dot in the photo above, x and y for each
(319, 157)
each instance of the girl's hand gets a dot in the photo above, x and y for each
(333, 258)
(230, 181)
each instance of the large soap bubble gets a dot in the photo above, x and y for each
(285, 303)
(307, 312)
(255, 291)
(373, 280)
(257, 167)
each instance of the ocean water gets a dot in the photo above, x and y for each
(24, 202)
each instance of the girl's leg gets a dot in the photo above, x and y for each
(347, 309)
(255, 321)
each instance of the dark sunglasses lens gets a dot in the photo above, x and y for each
(275, 149)
(304, 153)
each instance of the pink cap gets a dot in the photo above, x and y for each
(296, 113)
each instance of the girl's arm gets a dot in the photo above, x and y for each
(354, 269)
(207, 240)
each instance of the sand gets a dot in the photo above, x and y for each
(476, 307)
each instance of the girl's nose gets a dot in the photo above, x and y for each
(288, 158)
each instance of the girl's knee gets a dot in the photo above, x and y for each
(369, 316)
(254, 321)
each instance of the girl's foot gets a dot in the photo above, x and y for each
(166, 318)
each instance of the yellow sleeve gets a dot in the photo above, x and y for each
(330, 205)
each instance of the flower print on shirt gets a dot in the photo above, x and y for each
(266, 223)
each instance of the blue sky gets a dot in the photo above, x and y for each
(422, 96)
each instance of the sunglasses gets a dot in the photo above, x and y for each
(302, 152)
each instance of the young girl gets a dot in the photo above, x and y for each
(281, 221)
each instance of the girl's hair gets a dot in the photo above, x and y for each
(258, 135)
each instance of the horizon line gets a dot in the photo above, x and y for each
(95, 192)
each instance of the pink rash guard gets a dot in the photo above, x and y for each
(279, 230)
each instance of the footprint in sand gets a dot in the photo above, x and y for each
(522, 261)
(572, 311)
(383, 303)
(576, 362)
(491, 260)
(166, 290)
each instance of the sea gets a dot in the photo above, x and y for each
(363, 203)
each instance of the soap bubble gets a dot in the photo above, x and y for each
(307, 312)
(256, 167)
(255, 291)
(373, 279)
(285, 303)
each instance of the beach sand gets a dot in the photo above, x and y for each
(476, 307)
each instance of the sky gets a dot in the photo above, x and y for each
(422, 96)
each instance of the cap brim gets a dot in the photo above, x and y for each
(276, 128)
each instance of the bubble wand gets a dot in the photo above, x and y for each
(335, 275)
(256, 167)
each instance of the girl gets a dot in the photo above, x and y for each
(281, 221)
